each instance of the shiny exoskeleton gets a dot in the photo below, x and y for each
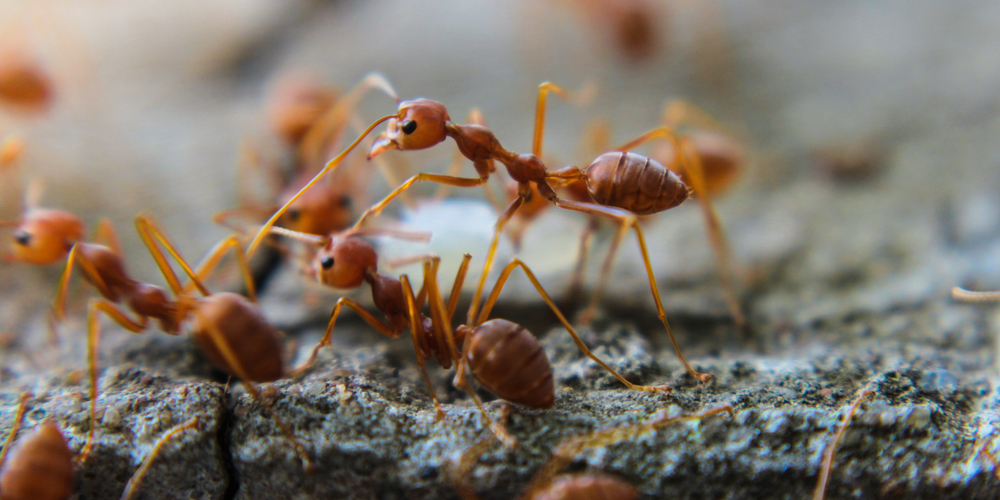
(229, 328)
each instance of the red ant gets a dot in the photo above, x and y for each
(23, 83)
(488, 347)
(548, 484)
(41, 463)
(228, 328)
(623, 185)
(310, 118)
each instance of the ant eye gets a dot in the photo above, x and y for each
(409, 127)
(345, 201)
(293, 215)
(22, 237)
(327, 262)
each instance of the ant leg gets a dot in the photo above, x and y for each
(325, 341)
(388, 173)
(514, 205)
(419, 342)
(569, 449)
(18, 420)
(443, 179)
(970, 296)
(329, 128)
(330, 165)
(576, 281)
(716, 234)
(628, 219)
(75, 257)
(211, 261)
(237, 367)
(456, 288)
(585, 94)
(150, 234)
(223, 217)
(678, 112)
(602, 280)
(132, 487)
(112, 311)
(502, 280)
(107, 235)
(831, 449)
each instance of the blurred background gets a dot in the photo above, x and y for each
(857, 119)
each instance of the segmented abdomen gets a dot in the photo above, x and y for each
(508, 361)
(634, 182)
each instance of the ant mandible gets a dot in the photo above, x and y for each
(228, 328)
(623, 185)
(487, 346)
(41, 463)
(548, 484)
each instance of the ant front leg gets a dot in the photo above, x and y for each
(514, 205)
(328, 335)
(211, 261)
(112, 311)
(495, 294)
(132, 487)
(831, 448)
(442, 179)
(627, 219)
(58, 313)
(419, 343)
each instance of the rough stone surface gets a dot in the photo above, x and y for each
(846, 280)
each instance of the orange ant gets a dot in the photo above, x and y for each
(310, 118)
(623, 185)
(548, 484)
(228, 328)
(41, 463)
(488, 347)
(23, 83)
(41, 236)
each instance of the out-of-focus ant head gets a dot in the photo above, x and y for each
(419, 124)
(295, 104)
(319, 211)
(343, 262)
(45, 236)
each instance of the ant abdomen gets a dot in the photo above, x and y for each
(587, 487)
(508, 360)
(255, 343)
(40, 467)
(634, 182)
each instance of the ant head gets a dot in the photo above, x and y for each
(46, 236)
(318, 211)
(344, 262)
(23, 83)
(419, 124)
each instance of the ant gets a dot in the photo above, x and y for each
(622, 185)
(488, 347)
(548, 484)
(310, 118)
(41, 463)
(23, 83)
(228, 328)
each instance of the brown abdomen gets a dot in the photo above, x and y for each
(635, 183)
(508, 361)
(591, 487)
(40, 467)
(253, 341)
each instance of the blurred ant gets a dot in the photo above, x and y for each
(24, 85)
(622, 185)
(310, 118)
(228, 328)
(548, 484)
(41, 463)
(489, 348)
